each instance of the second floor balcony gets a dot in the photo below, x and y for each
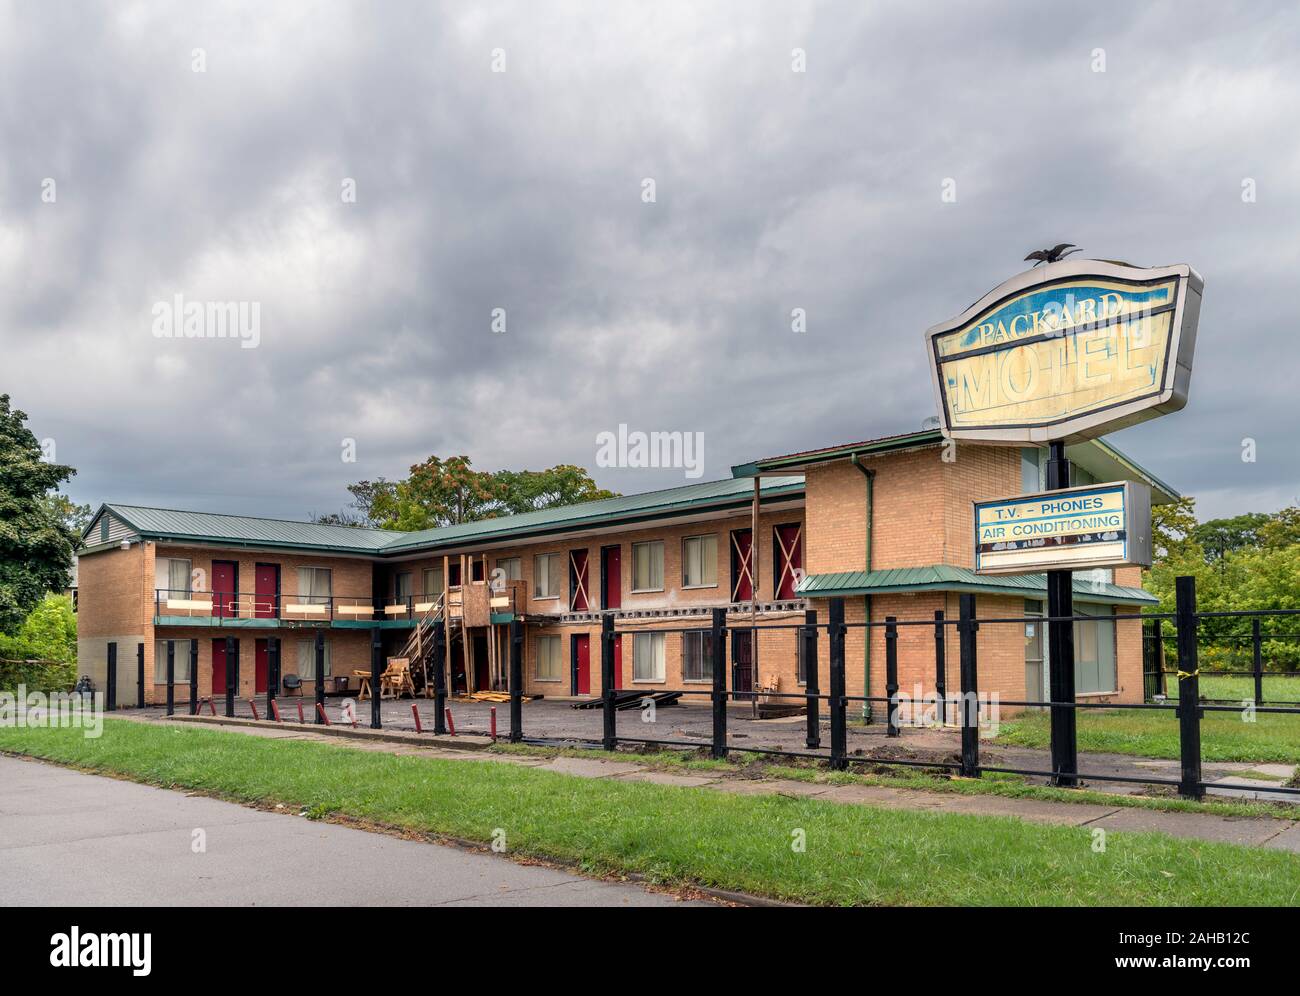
(176, 607)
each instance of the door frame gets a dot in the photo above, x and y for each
(232, 610)
(604, 576)
(582, 584)
(777, 554)
(575, 640)
(275, 614)
(734, 559)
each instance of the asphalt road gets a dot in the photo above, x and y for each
(68, 838)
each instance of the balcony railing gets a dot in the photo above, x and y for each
(176, 603)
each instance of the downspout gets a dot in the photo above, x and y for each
(870, 475)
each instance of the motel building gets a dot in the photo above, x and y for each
(887, 524)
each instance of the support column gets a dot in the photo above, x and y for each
(232, 674)
(376, 673)
(1060, 646)
(812, 680)
(320, 678)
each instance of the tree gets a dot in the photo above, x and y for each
(1173, 528)
(448, 492)
(36, 542)
(1221, 536)
(531, 490)
(1281, 530)
(42, 653)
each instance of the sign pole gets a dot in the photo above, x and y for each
(1060, 643)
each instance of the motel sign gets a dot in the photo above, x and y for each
(1067, 352)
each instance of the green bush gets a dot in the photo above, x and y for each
(43, 653)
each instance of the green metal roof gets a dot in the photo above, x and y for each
(243, 530)
(1095, 455)
(608, 511)
(206, 527)
(944, 577)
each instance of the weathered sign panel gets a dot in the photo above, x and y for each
(1068, 351)
(1101, 525)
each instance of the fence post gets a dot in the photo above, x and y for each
(940, 669)
(516, 681)
(838, 710)
(232, 674)
(608, 714)
(139, 675)
(1258, 661)
(194, 677)
(110, 684)
(320, 679)
(439, 681)
(891, 675)
(1189, 689)
(970, 708)
(1060, 679)
(171, 678)
(812, 686)
(376, 677)
(718, 657)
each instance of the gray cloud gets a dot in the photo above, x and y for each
(521, 190)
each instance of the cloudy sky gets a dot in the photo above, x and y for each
(478, 189)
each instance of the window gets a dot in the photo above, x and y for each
(1079, 476)
(546, 575)
(1030, 479)
(648, 566)
(172, 577)
(181, 661)
(307, 659)
(511, 568)
(697, 656)
(1035, 641)
(1094, 649)
(648, 657)
(315, 585)
(548, 658)
(103, 529)
(402, 586)
(700, 561)
(433, 582)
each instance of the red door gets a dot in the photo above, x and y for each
(742, 574)
(582, 665)
(219, 667)
(224, 578)
(261, 667)
(611, 572)
(267, 602)
(578, 580)
(618, 662)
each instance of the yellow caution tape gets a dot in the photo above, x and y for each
(1188, 674)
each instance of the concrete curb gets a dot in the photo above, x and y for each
(459, 742)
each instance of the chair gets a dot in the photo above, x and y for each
(292, 684)
(396, 679)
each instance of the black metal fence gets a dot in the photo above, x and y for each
(1189, 710)
(1186, 705)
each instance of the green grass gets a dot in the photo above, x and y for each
(753, 765)
(1238, 688)
(855, 854)
(1225, 736)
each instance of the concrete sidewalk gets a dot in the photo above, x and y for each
(1282, 834)
(72, 839)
